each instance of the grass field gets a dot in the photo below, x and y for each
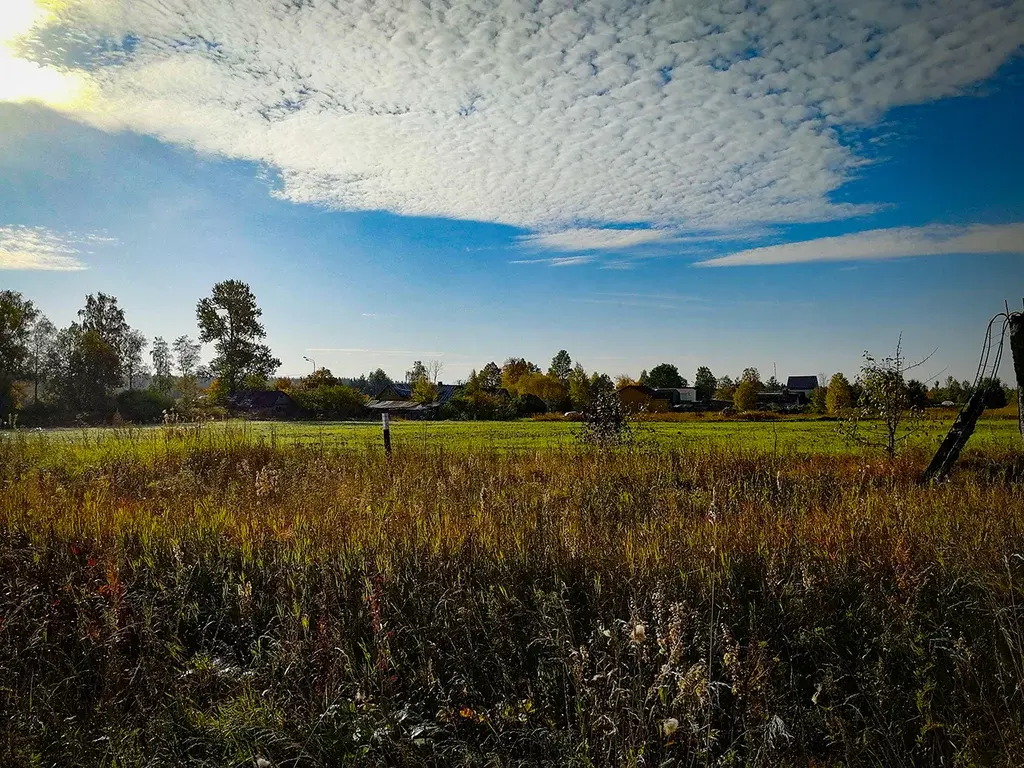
(494, 594)
(803, 436)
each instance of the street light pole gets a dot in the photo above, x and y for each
(310, 360)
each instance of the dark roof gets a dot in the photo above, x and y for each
(802, 382)
(256, 398)
(445, 392)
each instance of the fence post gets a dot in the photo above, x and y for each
(385, 423)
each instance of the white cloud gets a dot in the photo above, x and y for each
(592, 239)
(37, 248)
(884, 244)
(538, 115)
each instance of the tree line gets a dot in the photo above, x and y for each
(86, 372)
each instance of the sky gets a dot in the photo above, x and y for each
(781, 185)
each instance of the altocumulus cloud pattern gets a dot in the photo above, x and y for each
(672, 116)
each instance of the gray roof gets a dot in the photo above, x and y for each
(399, 405)
(445, 392)
(802, 382)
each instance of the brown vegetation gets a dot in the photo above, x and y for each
(223, 600)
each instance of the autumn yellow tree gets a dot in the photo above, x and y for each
(745, 396)
(838, 399)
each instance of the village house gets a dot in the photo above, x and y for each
(260, 404)
(802, 385)
(640, 397)
(396, 399)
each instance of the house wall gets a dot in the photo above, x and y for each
(634, 400)
(389, 394)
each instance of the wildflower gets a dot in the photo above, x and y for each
(639, 633)
(669, 727)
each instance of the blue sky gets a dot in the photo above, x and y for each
(631, 182)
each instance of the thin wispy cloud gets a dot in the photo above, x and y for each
(878, 244)
(374, 352)
(558, 261)
(38, 248)
(591, 239)
(547, 116)
(611, 239)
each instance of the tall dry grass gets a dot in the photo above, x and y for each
(219, 600)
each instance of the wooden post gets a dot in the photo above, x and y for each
(385, 423)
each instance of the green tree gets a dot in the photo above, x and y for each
(579, 388)
(917, 394)
(84, 367)
(705, 383)
(600, 383)
(513, 370)
(995, 393)
(321, 377)
(163, 381)
(725, 388)
(41, 344)
(545, 386)
(230, 318)
(376, 381)
(17, 315)
(819, 399)
(561, 367)
(102, 314)
(416, 373)
(838, 397)
(186, 355)
(753, 376)
(424, 390)
(665, 375)
(884, 415)
(745, 396)
(490, 377)
(132, 345)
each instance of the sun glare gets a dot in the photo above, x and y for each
(23, 80)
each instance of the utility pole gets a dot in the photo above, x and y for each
(1016, 322)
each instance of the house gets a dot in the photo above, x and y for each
(780, 401)
(396, 398)
(640, 397)
(679, 395)
(802, 384)
(260, 404)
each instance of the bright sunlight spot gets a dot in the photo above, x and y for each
(22, 80)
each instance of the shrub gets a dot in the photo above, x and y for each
(605, 422)
(334, 402)
(143, 406)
